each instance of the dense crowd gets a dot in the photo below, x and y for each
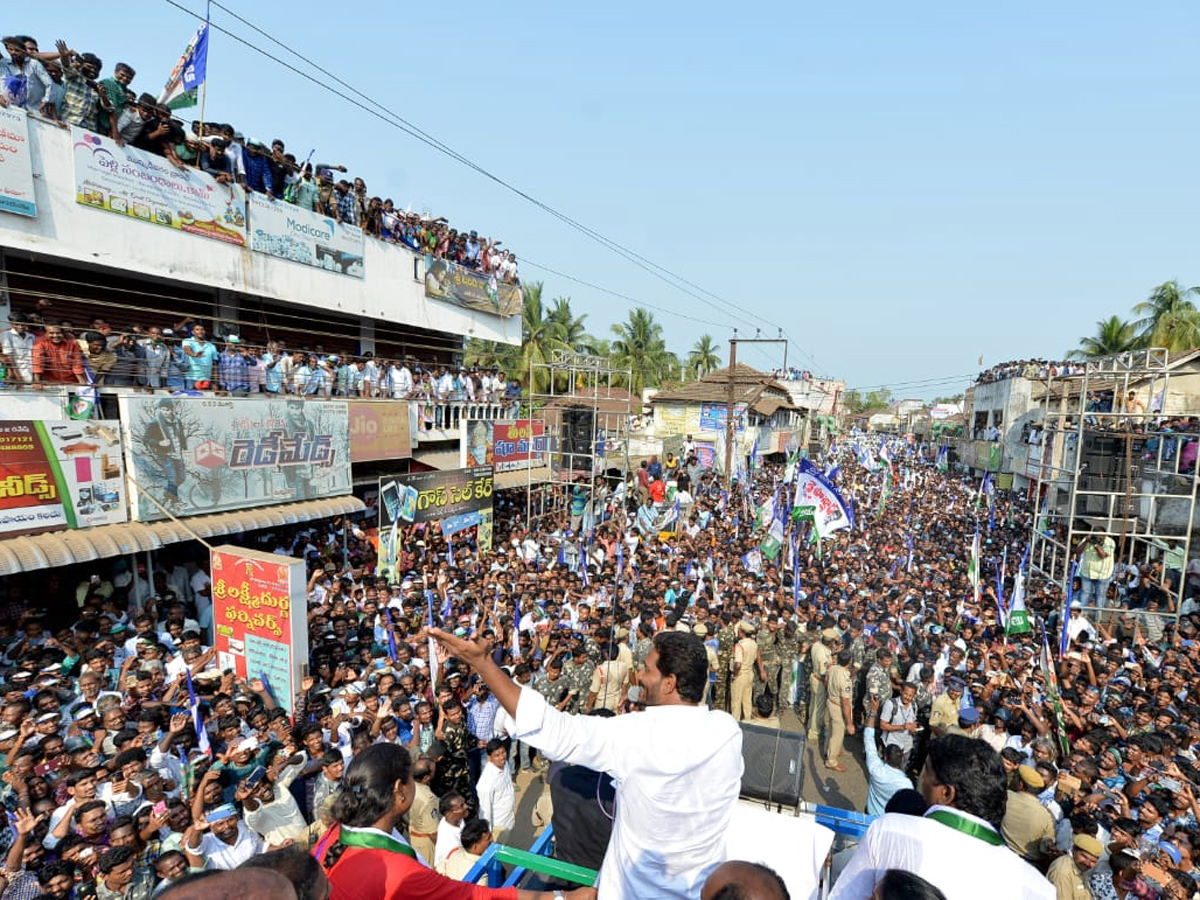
(1029, 368)
(108, 790)
(65, 86)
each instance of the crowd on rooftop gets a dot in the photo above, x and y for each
(1029, 368)
(64, 85)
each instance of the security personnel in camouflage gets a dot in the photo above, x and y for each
(788, 642)
(768, 652)
(578, 675)
(727, 637)
(879, 680)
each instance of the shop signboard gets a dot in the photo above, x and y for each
(259, 606)
(379, 430)
(56, 475)
(197, 455)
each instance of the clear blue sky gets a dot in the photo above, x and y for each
(900, 187)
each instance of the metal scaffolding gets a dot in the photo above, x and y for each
(1106, 464)
(587, 427)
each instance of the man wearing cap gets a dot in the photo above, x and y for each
(839, 712)
(819, 660)
(967, 724)
(944, 712)
(1067, 873)
(220, 840)
(746, 660)
(1028, 827)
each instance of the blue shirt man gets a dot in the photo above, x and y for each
(201, 356)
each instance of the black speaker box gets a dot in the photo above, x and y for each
(774, 764)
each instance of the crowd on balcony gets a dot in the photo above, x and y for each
(64, 85)
(37, 351)
(1029, 368)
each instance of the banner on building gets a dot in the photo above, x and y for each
(380, 430)
(259, 617)
(449, 281)
(140, 185)
(457, 500)
(286, 231)
(417, 497)
(675, 418)
(56, 475)
(16, 165)
(715, 416)
(200, 455)
(504, 444)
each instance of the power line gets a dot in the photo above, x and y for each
(918, 383)
(392, 118)
(611, 244)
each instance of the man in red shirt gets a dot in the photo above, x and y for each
(57, 360)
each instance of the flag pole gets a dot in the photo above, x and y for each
(204, 84)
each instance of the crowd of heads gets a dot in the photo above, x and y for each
(1029, 368)
(96, 706)
(65, 86)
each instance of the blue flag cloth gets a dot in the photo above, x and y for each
(197, 720)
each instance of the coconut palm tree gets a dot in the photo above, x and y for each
(1169, 318)
(703, 358)
(569, 327)
(1113, 335)
(639, 346)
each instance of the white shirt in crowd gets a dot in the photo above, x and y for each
(963, 867)
(678, 771)
(497, 798)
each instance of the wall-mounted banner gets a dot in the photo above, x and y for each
(16, 166)
(504, 444)
(198, 455)
(445, 280)
(131, 182)
(286, 231)
(418, 497)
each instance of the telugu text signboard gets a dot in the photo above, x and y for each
(445, 280)
(259, 606)
(141, 185)
(57, 475)
(199, 455)
(457, 499)
(16, 164)
(504, 444)
(286, 231)
(379, 430)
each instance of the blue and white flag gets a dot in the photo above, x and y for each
(752, 561)
(183, 84)
(830, 512)
(620, 558)
(908, 562)
(197, 720)
(1064, 636)
(943, 459)
(433, 663)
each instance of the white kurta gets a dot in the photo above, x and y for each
(497, 797)
(678, 771)
(961, 866)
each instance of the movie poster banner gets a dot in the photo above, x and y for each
(379, 430)
(259, 606)
(715, 416)
(504, 444)
(198, 455)
(16, 165)
(449, 281)
(140, 185)
(56, 475)
(286, 231)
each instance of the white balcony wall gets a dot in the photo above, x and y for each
(393, 289)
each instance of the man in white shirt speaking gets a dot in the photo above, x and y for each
(678, 765)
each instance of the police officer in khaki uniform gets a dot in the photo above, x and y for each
(423, 814)
(746, 661)
(839, 712)
(819, 660)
